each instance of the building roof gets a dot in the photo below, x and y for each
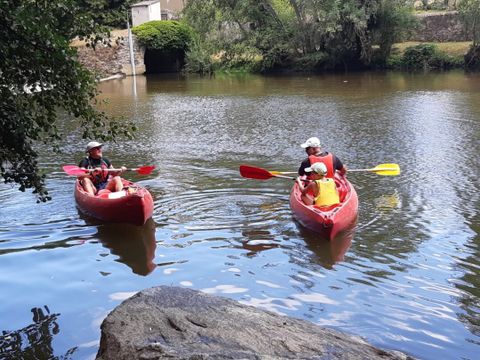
(145, 3)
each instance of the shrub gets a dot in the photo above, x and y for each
(240, 57)
(198, 59)
(311, 62)
(418, 57)
(394, 61)
(164, 35)
(427, 56)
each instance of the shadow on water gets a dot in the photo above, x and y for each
(134, 245)
(35, 340)
(328, 252)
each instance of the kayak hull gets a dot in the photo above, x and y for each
(133, 205)
(330, 221)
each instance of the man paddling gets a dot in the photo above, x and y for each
(315, 154)
(99, 179)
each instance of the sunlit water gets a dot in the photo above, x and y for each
(408, 280)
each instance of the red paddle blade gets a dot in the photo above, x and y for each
(73, 170)
(252, 172)
(145, 170)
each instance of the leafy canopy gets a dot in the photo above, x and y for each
(40, 77)
(312, 34)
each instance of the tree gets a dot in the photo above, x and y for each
(40, 77)
(110, 13)
(470, 13)
(392, 23)
(311, 33)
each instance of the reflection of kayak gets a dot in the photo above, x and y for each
(133, 205)
(328, 252)
(134, 245)
(328, 221)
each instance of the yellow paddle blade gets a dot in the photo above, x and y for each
(387, 169)
(282, 172)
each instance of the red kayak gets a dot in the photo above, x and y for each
(327, 221)
(133, 205)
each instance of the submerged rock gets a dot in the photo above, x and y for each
(177, 323)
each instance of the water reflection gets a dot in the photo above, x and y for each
(258, 240)
(328, 252)
(35, 340)
(134, 245)
(409, 281)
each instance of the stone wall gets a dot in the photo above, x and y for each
(106, 61)
(440, 27)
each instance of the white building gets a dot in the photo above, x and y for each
(145, 11)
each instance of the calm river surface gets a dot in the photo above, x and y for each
(408, 280)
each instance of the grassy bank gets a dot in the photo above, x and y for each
(449, 48)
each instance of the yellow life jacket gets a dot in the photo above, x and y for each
(328, 193)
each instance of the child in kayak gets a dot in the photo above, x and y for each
(324, 189)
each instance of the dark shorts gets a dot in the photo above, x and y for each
(101, 186)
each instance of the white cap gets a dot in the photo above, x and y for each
(318, 167)
(91, 145)
(312, 142)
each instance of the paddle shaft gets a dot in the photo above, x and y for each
(374, 170)
(78, 171)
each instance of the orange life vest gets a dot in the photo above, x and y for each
(100, 176)
(327, 160)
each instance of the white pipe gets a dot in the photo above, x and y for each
(130, 45)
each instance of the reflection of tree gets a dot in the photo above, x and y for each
(33, 341)
(258, 240)
(134, 245)
(470, 287)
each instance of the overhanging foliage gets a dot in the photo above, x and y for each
(39, 77)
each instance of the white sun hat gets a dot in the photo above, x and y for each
(312, 142)
(92, 144)
(318, 167)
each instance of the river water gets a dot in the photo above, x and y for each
(406, 279)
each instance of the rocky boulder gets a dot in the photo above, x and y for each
(178, 323)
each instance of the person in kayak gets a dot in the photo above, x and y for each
(315, 154)
(98, 179)
(324, 189)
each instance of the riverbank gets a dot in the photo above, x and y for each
(441, 32)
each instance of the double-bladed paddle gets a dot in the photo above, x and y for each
(383, 169)
(78, 171)
(253, 172)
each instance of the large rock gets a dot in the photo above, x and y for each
(178, 323)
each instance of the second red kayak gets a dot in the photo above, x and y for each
(327, 221)
(133, 205)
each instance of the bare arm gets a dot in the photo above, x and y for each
(306, 189)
